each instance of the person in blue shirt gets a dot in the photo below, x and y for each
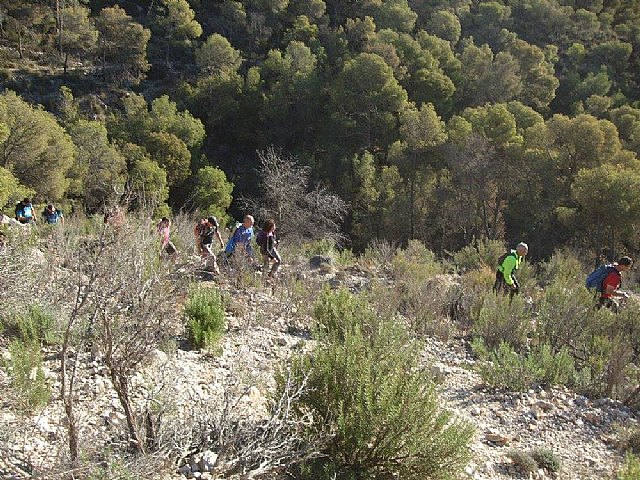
(52, 215)
(25, 212)
(241, 238)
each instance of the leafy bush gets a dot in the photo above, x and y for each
(503, 367)
(566, 315)
(365, 387)
(205, 318)
(27, 376)
(546, 459)
(498, 319)
(37, 325)
(416, 263)
(633, 442)
(485, 252)
(631, 468)
(523, 461)
(564, 267)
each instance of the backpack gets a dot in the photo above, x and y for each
(503, 257)
(597, 277)
(261, 240)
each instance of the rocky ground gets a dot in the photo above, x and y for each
(263, 330)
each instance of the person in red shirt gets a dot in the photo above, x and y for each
(612, 282)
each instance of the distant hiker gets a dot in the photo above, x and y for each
(24, 211)
(52, 215)
(200, 226)
(206, 231)
(508, 263)
(266, 240)
(241, 238)
(164, 231)
(114, 217)
(607, 280)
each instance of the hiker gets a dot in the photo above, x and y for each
(266, 239)
(114, 217)
(52, 215)
(241, 238)
(206, 231)
(508, 263)
(166, 246)
(607, 280)
(24, 211)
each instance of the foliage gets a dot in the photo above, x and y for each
(27, 375)
(502, 367)
(205, 318)
(631, 468)
(37, 151)
(212, 192)
(498, 319)
(365, 388)
(484, 252)
(547, 459)
(523, 461)
(11, 191)
(36, 325)
(433, 122)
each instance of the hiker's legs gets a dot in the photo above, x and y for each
(276, 263)
(210, 258)
(499, 285)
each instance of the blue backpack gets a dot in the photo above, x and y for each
(595, 278)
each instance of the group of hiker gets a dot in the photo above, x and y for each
(207, 230)
(25, 213)
(605, 280)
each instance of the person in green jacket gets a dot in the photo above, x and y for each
(506, 280)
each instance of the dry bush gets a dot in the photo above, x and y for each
(302, 212)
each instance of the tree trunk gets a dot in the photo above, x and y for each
(20, 47)
(120, 385)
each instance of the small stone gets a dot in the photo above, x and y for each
(545, 405)
(497, 438)
(476, 411)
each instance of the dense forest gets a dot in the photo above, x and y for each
(440, 121)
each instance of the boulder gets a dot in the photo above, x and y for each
(318, 260)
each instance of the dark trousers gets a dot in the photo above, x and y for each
(501, 286)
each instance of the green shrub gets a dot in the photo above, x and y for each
(505, 368)
(563, 267)
(205, 318)
(365, 386)
(27, 376)
(484, 253)
(554, 368)
(631, 468)
(566, 315)
(416, 263)
(498, 319)
(523, 461)
(633, 442)
(37, 325)
(546, 459)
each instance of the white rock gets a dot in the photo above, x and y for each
(208, 461)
